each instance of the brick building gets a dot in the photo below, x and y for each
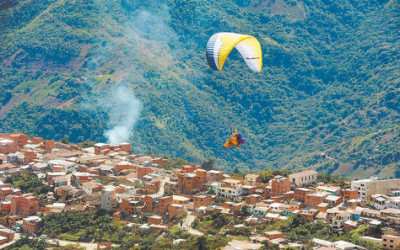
(279, 185)
(48, 145)
(390, 241)
(300, 193)
(314, 199)
(101, 148)
(31, 224)
(7, 146)
(202, 201)
(252, 179)
(186, 182)
(350, 194)
(24, 206)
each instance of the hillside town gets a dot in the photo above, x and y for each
(76, 178)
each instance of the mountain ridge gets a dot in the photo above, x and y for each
(331, 76)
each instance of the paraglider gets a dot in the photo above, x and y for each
(235, 140)
(220, 45)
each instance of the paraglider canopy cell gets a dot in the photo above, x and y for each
(220, 45)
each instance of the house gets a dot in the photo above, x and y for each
(31, 224)
(260, 211)
(350, 195)
(252, 199)
(322, 207)
(19, 138)
(304, 178)
(155, 219)
(232, 205)
(48, 145)
(101, 148)
(163, 204)
(187, 182)
(333, 200)
(180, 200)
(300, 193)
(340, 245)
(390, 242)
(391, 215)
(153, 186)
(339, 220)
(273, 235)
(232, 182)
(5, 207)
(229, 191)
(24, 206)
(7, 189)
(202, 200)
(214, 187)
(189, 168)
(29, 156)
(78, 178)
(91, 187)
(157, 228)
(272, 217)
(275, 208)
(107, 195)
(200, 179)
(175, 210)
(123, 165)
(252, 179)
(279, 185)
(62, 166)
(150, 202)
(371, 213)
(373, 185)
(333, 190)
(7, 146)
(246, 190)
(215, 175)
(313, 199)
(6, 234)
(350, 225)
(131, 205)
(309, 212)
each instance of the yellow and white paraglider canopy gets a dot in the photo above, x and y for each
(220, 45)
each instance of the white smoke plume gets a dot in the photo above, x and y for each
(124, 111)
(147, 25)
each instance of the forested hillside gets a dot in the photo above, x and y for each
(327, 98)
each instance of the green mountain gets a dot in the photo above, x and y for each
(327, 98)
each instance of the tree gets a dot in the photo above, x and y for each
(397, 172)
(246, 210)
(208, 164)
(87, 144)
(30, 243)
(201, 243)
(64, 140)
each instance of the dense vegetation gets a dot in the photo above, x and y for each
(28, 183)
(29, 243)
(100, 226)
(86, 226)
(328, 96)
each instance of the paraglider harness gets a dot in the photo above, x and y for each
(239, 137)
